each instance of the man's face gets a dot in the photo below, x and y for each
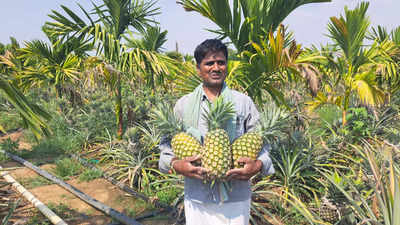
(212, 69)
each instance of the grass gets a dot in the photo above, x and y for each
(67, 168)
(167, 195)
(10, 120)
(136, 206)
(3, 157)
(90, 174)
(34, 182)
(62, 210)
(9, 145)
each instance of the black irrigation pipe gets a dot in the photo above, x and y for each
(98, 205)
(122, 186)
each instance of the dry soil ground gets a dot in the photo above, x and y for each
(69, 207)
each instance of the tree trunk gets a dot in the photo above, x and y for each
(344, 121)
(118, 108)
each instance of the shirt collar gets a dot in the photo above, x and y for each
(204, 96)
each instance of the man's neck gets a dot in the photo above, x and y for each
(212, 92)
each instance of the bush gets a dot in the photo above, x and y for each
(66, 168)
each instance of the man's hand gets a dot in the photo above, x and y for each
(186, 168)
(251, 167)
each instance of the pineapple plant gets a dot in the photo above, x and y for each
(250, 144)
(183, 144)
(217, 155)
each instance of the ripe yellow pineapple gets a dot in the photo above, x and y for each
(183, 144)
(272, 121)
(247, 145)
(217, 155)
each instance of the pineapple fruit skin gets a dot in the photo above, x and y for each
(184, 145)
(217, 155)
(248, 145)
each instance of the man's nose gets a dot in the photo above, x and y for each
(215, 66)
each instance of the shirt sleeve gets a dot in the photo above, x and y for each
(251, 122)
(166, 155)
(263, 156)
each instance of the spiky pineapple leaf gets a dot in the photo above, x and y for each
(219, 112)
(272, 122)
(165, 119)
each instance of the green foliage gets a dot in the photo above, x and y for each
(329, 113)
(167, 194)
(245, 21)
(34, 182)
(66, 168)
(3, 157)
(359, 125)
(10, 120)
(9, 145)
(90, 174)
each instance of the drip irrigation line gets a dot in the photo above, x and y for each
(31, 198)
(98, 205)
(122, 186)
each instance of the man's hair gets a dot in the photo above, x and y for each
(209, 45)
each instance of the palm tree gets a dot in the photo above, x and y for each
(388, 45)
(111, 21)
(245, 20)
(264, 57)
(53, 65)
(352, 71)
(33, 116)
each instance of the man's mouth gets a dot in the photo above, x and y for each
(215, 75)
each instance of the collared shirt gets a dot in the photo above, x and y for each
(247, 116)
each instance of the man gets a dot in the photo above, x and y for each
(203, 205)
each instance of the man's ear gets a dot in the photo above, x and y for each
(198, 68)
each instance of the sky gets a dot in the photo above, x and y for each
(23, 19)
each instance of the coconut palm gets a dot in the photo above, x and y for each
(112, 19)
(353, 69)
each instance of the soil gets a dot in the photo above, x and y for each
(73, 210)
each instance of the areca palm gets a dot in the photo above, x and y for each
(354, 69)
(245, 20)
(59, 64)
(271, 64)
(250, 25)
(112, 19)
(33, 116)
(388, 44)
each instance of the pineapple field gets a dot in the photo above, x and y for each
(92, 105)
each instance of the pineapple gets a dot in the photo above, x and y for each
(272, 121)
(217, 155)
(247, 145)
(183, 144)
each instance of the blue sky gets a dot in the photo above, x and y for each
(23, 19)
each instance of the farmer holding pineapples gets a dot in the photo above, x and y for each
(210, 138)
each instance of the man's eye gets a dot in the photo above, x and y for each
(221, 63)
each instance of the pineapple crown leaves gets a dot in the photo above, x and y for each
(272, 122)
(164, 118)
(218, 113)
